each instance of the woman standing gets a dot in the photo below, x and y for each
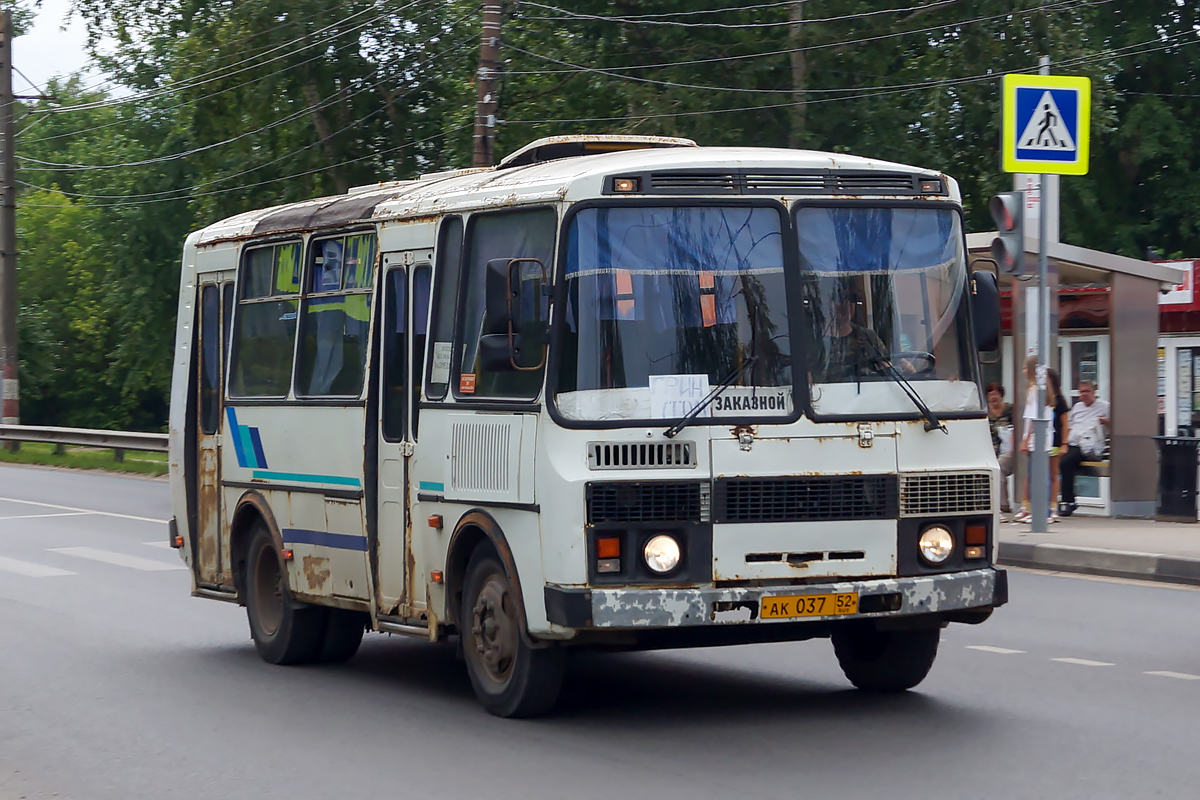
(1056, 409)
(1055, 400)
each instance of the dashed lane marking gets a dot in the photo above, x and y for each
(1083, 662)
(119, 559)
(1004, 651)
(43, 516)
(82, 510)
(31, 570)
(1183, 676)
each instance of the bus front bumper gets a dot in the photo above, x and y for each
(646, 607)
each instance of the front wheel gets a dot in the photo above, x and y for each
(284, 632)
(510, 678)
(885, 661)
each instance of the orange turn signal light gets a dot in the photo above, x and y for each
(608, 547)
(178, 542)
(287, 555)
(976, 534)
(435, 575)
(435, 521)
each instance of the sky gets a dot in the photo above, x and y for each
(46, 50)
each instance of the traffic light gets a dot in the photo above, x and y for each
(1008, 249)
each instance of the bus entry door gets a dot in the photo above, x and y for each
(216, 306)
(405, 320)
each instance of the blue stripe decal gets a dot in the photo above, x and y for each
(235, 434)
(243, 433)
(340, 541)
(259, 455)
(296, 477)
(431, 486)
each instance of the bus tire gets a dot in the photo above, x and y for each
(284, 631)
(510, 678)
(885, 661)
(343, 634)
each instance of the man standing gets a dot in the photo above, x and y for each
(1087, 429)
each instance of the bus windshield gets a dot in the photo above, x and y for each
(664, 302)
(884, 288)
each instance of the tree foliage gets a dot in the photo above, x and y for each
(227, 105)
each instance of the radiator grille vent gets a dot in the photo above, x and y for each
(804, 499)
(479, 456)
(941, 494)
(636, 501)
(641, 455)
(814, 181)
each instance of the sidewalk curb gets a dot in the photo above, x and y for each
(1089, 561)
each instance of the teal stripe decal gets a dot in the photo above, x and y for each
(295, 477)
(430, 486)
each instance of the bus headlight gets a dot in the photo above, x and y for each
(936, 544)
(661, 553)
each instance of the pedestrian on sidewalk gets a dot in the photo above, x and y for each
(1056, 410)
(1088, 425)
(1001, 421)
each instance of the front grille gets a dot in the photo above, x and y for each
(939, 494)
(641, 455)
(805, 499)
(644, 501)
(796, 181)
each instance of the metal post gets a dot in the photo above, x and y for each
(486, 80)
(1039, 461)
(10, 413)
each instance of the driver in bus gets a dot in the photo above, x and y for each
(852, 352)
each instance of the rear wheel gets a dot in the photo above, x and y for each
(510, 678)
(343, 634)
(885, 661)
(284, 631)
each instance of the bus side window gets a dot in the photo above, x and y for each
(261, 353)
(422, 276)
(517, 234)
(210, 359)
(395, 384)
(445, 306)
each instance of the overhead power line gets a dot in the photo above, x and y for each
(648, 19)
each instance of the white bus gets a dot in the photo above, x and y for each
(617, 391)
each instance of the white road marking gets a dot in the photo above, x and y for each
(120, 559)
(82, 510)
(1083, 662)
(163, 545)
(42, 516)
(1183, 676)
(31, 570)
(1004, 651)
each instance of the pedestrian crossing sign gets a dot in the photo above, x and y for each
(1046, 123)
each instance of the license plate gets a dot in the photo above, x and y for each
(809, 605)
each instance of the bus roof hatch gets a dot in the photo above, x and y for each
(554, 147)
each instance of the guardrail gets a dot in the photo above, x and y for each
(119, 441)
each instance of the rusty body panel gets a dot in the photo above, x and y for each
(641, 608)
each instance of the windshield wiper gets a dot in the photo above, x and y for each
(932, 423)
(713, 394)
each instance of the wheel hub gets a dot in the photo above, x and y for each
(495, 629)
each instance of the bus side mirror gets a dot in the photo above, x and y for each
(516, 293)
(985, 308)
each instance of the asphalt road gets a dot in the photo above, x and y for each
(114, 683)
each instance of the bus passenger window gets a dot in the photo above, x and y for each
(337, 315)
(210, 359)
(445, 310)
(261, 354)
(519, 234)
(422, 276)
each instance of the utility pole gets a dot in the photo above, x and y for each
(486, 81)
(1039, 460)
(9, 382)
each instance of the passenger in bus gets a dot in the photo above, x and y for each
(1001, 421)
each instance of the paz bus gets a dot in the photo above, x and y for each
(617, 391)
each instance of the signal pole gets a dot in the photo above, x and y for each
(9, 377)
(1039, 459)
(486, 80)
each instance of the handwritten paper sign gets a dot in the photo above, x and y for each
(673, 396)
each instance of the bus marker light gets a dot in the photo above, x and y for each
(976, 534)
(435, 521)
(973, 552)
(178, 542)
(608, 547)
(287, 555)
(435, 575)
(625, 185)
(608, 565)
